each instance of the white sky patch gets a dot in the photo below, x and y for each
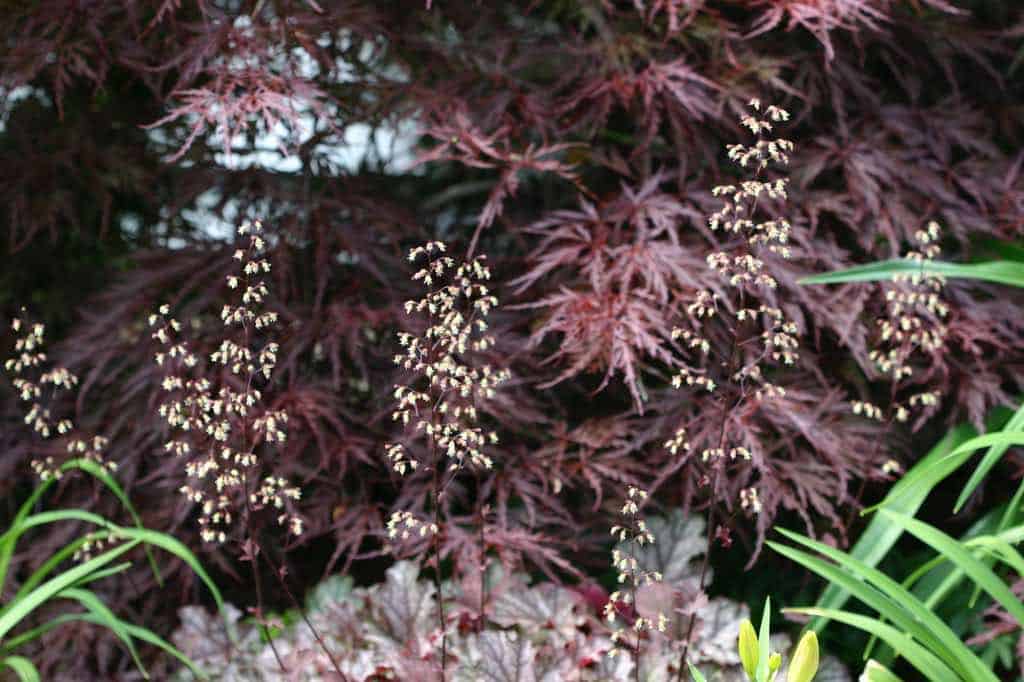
(9, 98)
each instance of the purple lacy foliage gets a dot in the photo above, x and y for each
(575, 143)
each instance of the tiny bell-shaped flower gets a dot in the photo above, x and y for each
(748, 648)
(804, 664)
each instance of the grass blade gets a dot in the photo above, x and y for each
(997, 447)
(26, 636)
(178, 549)
(52, 587)
(7, 541)
(925, 661)
(102, 475)
(23, 668)
(962, 557)
(150, 637)
(891, 600)
(998, 271)
(765, 633)
(906, 496)
(106, 618)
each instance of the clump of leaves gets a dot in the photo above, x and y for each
(602, 125)
(533, 633)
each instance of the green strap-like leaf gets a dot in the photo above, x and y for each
(22, 638)
(906, 496)
(102, 475)
(174, 546)
(763, 644)
(8, 540)
(57, 584)
(891, 600)
(998, 444)
(900, 615)
(135, 631)
(876, 672)
(998, 271)
(106, 618)
(23, 668)
(988, 548)
(925, 661)
(152, 638)
(962, 557)
(40, 573)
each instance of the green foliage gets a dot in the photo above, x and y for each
(917, 633)
(47, 584)
(1000, 272)
(876, 672)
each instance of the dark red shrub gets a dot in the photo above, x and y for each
(576, 143)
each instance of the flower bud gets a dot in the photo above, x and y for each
(748, 648)
(804, 664)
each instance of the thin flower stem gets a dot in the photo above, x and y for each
(250, 531)
(305, 618)
(705, 562)
(483, 553)
(436, 458)
(636, 611)
(253, 552)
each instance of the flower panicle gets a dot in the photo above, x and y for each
(219, 426)
(38, 388)
(446, 384)
(630, 536)
(751, 227)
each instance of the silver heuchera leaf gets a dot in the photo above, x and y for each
(539, 610)
(603, 667)
(718, 625)
(498, 657)
(401, 613)
(208, 639)
(334, 589)
(678, 540)
(390, 631)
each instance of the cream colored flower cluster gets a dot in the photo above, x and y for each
(37, 393)
(739, 215)
(403, 525)
(219, 426)
(913, 325)
(441, 399)
(762, 335)
(631, 535)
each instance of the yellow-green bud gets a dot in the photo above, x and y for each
(774, 662)
(748, 648)
(804, 664)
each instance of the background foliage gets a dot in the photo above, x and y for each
(573, 141)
